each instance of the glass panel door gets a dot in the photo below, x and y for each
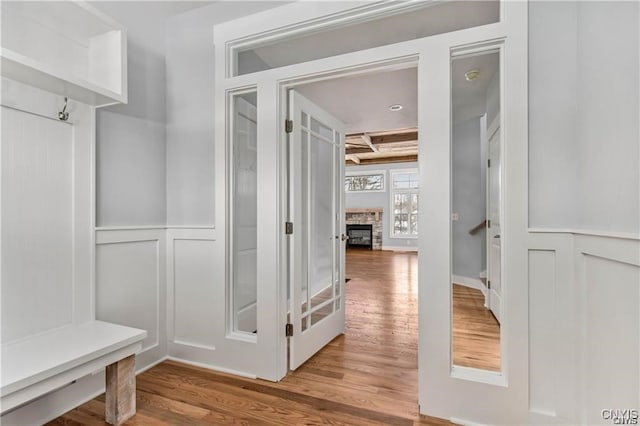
(317, 180)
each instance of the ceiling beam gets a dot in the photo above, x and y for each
(387, 160)
(353, 158)
(367, 139)
(350, 151)
(393, 138)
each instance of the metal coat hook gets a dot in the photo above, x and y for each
(64, 115)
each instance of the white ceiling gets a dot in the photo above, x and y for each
(155, 10)
(468, 98)
(362, 102)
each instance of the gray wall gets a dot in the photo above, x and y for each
(130, 139)
(380, 199)
(468, 199)
(583, 116)
(190, 110)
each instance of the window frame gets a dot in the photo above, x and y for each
(392, 192)
(367, 173)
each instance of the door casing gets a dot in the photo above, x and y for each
(438, 380)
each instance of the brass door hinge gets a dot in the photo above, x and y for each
(288, 126)
(288, 330)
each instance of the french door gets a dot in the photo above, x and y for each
(316, 308)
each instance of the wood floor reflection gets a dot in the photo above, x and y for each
(368, 376)
(476, 332)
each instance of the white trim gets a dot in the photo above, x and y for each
(433, 55)
(193, 345)
(129, 228)
(400, 248)
(211, 367)
(586, 232)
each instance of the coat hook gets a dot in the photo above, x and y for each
(64, 115)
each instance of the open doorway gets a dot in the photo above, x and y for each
(380, 116)
(378, 111)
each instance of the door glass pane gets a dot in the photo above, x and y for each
(304, 248)
(322, 296)
(244, 213)
(321, 213)
(322, 130)
(475, 277)
(420, 19)
(321, 313)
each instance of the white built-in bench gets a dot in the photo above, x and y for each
(39, 364)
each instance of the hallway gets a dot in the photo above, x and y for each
(368, 376)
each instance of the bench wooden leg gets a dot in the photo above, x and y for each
(120, 402)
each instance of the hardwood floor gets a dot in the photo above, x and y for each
(476, 332)
(368, 376)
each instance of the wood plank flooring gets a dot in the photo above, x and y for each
(368, 376)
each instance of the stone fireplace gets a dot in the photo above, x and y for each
(369, 216)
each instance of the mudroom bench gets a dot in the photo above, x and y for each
(40, 364)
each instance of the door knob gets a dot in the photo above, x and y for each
(345, 237)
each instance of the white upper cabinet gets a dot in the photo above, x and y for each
(65, 47)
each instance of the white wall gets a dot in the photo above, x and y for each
(190, 103)
(583, 177)
(608, 134)
(583, 111)
(130, 139)
(468, 199)
(354, 200)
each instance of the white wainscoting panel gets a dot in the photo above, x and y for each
(611, 332)
(194, 274)
(542, 323)
(195, 308)
(131, 284)
(584, 293)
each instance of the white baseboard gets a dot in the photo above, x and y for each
(212, 367)
(470, 282)
(399, 248)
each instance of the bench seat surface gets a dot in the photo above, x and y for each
(37, 358)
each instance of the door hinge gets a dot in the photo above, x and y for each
(489, 284)
(288, 330)
(489, 223)
(489, 162)
(288, 126)
(288, 228)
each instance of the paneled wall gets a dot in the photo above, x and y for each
(131, 285)
(584, 326)
(193, 282)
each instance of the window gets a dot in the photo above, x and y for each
(370, 181)
(404, 203)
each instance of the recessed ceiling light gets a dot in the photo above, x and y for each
(395, 107)
(472, 75)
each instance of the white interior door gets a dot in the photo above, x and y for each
(316, 310)
(494, 230)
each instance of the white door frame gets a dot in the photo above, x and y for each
(505, 398)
